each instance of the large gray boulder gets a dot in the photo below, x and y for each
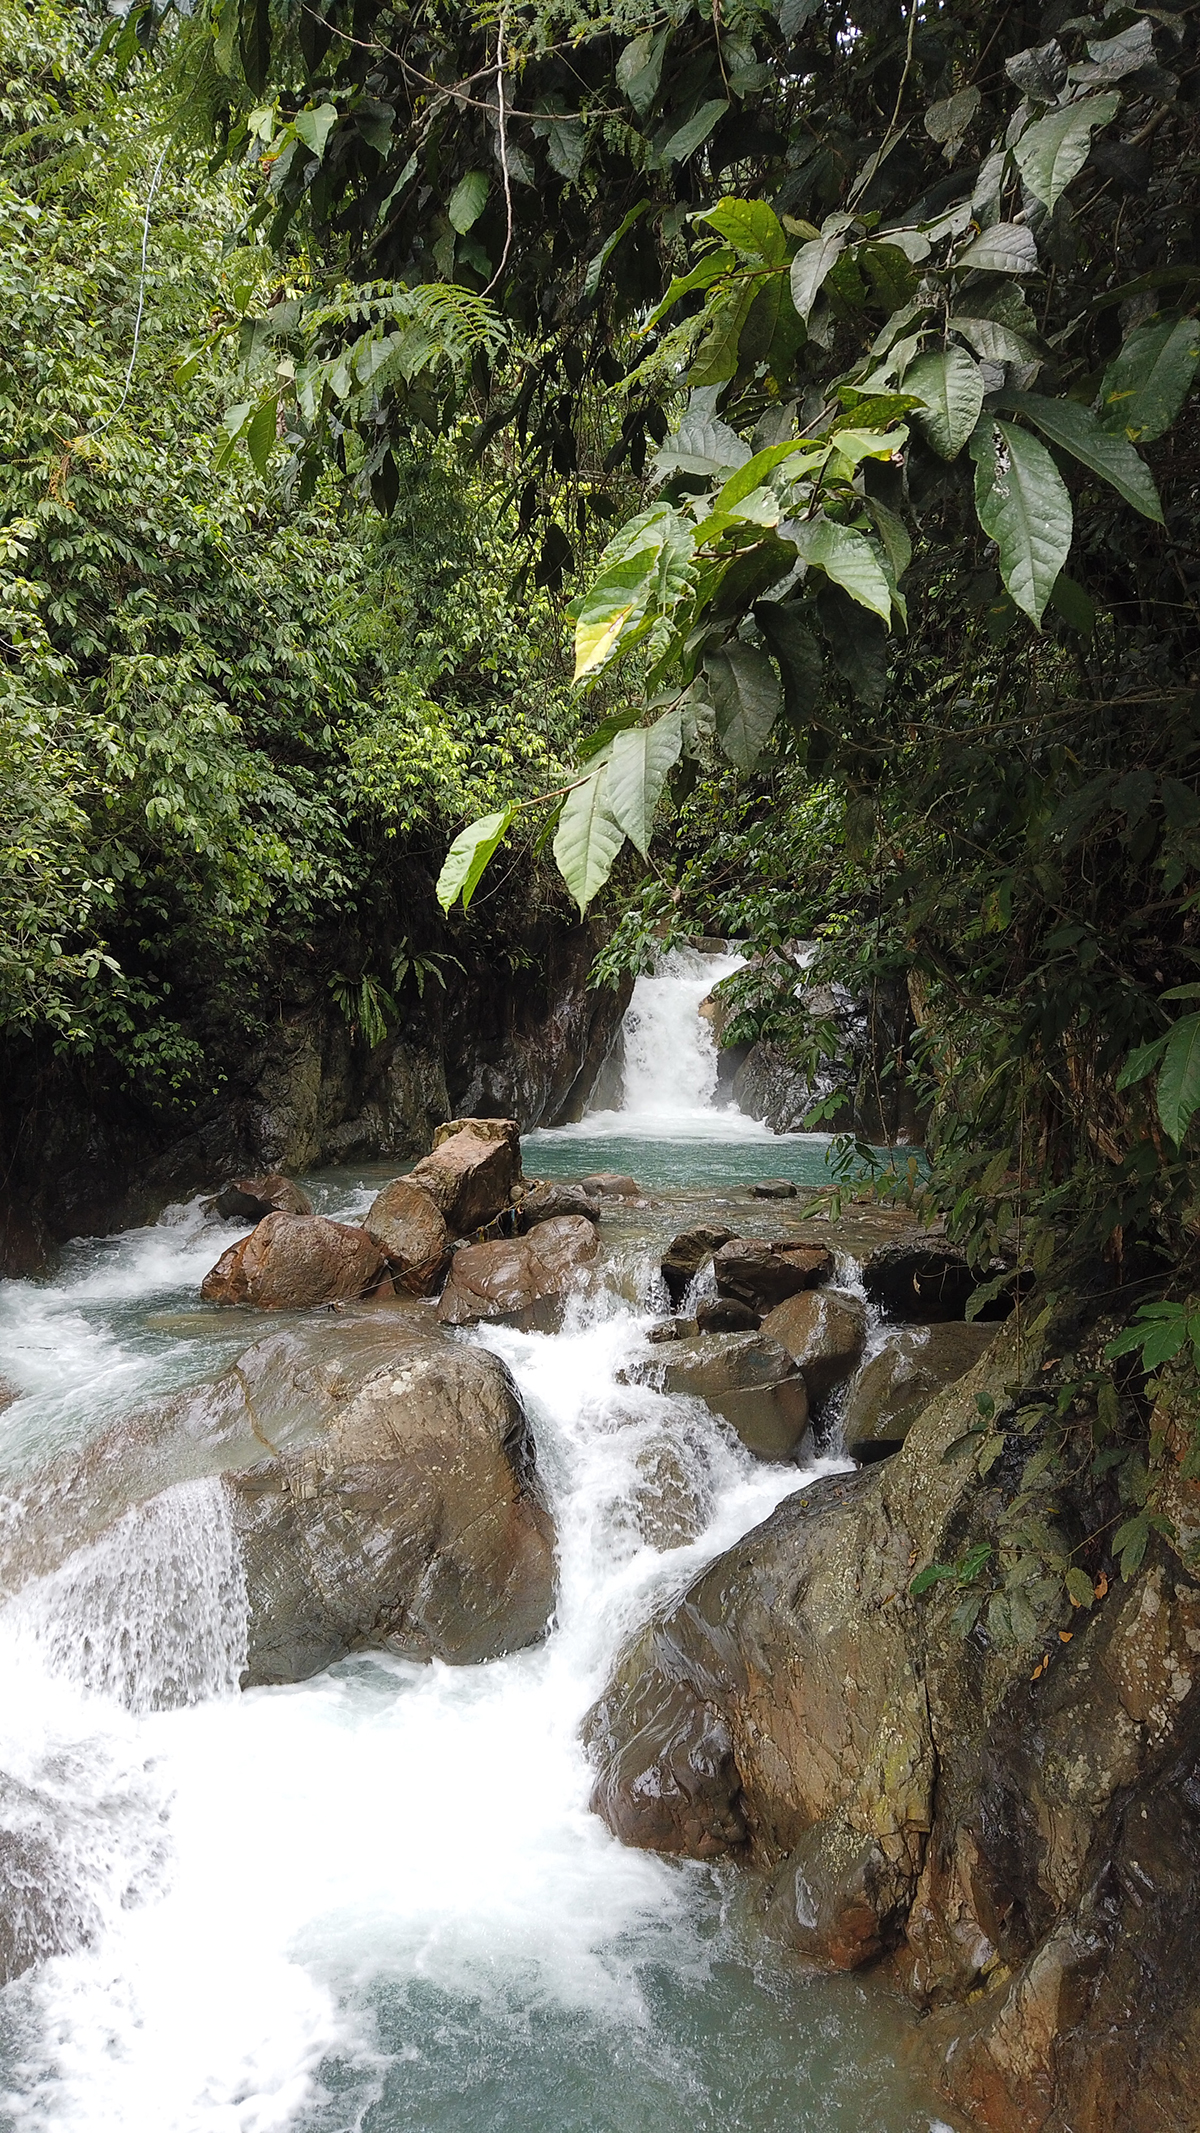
(897, 1384)
(293, 1262)
(750, 1381)
(414, 1524)
(407, 1223)
(519, 1280)
(471, 1170)
(824, 1331)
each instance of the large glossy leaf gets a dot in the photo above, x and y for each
(1040, 71)
(639, 69)
(810, 269)
(588, 838)
(611, 608)
(951, 386)
(751, 227)
(261, 431)
(704, 445)
(1148, 382)
(638, 763)
(315, 124)
(1023, 504)
(1053, 151)
(467, 201)
(1080, 432)
(690, 137)
(744, 689)
(994, 341)
(849, 560)
(468, 856)
(1178, 1092)
(1007, 248)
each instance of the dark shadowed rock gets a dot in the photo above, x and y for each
(838, 1898)
(892, 1389)
(726, 1316)
(407, 1222)
(686, 1254)
(250, 1199)
(671, 1329)
(927, 1284)
(291, 1262)
(761, 1275)
(824, 1332)
(545, 1202)
(773, 1189)
(752, 1382)
(612, 1185)
(523, 1279)
(471, 1170)
(414, 1524)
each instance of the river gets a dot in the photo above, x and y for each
(378, 1901)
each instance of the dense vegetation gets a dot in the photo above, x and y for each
(836, 362)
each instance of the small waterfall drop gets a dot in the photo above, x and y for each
(670, 1050)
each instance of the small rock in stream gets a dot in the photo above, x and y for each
(686, 1254)
(773, 1189)
(252, 1199)
(612, 1185)
(727, 1316)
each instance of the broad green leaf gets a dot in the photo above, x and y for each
(638, 763)
(849, 560)
(314, 126)
(810, 269)
(468, 856)
(1112, 58)
(951, 386)
(1148, 382)
(894, 535)
(755, 471)
(947, 122)
(709, 269)
(260, 433)
(1080, 1587)
(701, 445)
(798, 654)
(467, 201)
(692, 136)
(717, 356)
(751, 227)
(1073, 604)
(852, 446)
(1007, 248)
(1178, 1092)
(744, 689)
(1079, 432)
(1053, 151)
(610, 606)
(1142, 1061)
(588, 838)
(639, 69)
(1023, 504)
(994, 341)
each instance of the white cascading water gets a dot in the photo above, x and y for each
(376, 1902)
(670, 1051)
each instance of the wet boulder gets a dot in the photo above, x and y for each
(726, 1316)
(293, 1262)
(519, 1279)
(406, 1221)
(612, 1185)
(671, 1329)
(471, 1171)
(928, 1284)
(751, 1382)
(415, 1524)
(686, 1254)
(773, 1189)
(547, 1201)
(761, 1275)
(891, 1390)
(824, 1331)
(251, 1199)
(838, 1900)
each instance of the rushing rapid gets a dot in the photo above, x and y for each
(377, 1900)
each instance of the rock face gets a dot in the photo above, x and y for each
(250, 1199)
(761, 1275)
(291, 1262)
(686, 1254)
(407, 1223)
(415, 1524)
(824, 1331)
(551, 1199)
(471, 1171)
(752, 1382)
(1017, 1818)
(922, 1284)
(893, 1388)
(519, 1278)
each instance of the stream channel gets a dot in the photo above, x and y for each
(378, 1900)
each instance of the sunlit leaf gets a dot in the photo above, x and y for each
(849, 560)
(1053, 151)
(638, 763)
(588, 838)
(1080, 432)
(468, 856)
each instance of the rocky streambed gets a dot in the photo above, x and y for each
(651, 1472)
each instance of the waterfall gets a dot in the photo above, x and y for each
(670, 1053)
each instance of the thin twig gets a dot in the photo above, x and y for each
(502, 132)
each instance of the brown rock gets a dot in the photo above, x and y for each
(773, 1189)
(838, 1900)
(523, 1279)
(409, 1225)
(824, 1332)
(8, 1393)
(545, 1202)
(751, 1382)
(415, 1523)
(671, 1329)
(761, 1275)
(291, 1262)
(891, 1390)
(726, 1316)
(470, 1173)
(686, 1254)
(612, 1185)
(251, 1199)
